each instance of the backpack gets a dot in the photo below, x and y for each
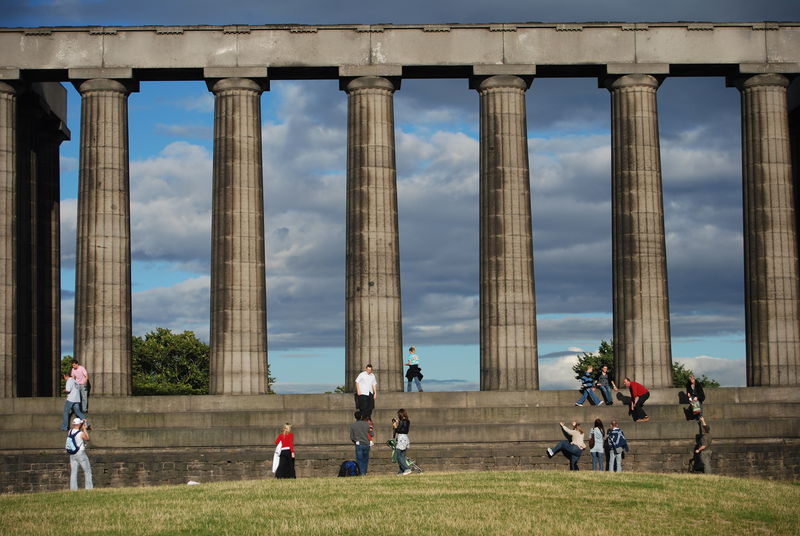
(72, 446)
(349, 468)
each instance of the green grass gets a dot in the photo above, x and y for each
(491, 503)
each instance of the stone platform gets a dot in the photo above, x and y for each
(171, 440)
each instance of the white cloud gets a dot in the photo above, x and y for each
(180, 307)
(728, 372)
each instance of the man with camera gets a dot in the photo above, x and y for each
(80, 435)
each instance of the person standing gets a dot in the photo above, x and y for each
(694, 389)
(616, 445)
(82, 377)
(596, 449)
(366, 392)
(413, 372)
(72, 403)
(605, 381)
(401, 426)
(360, 436)
(639, 395)
(80, 435)
(574, 447)
(587, 388)
(285, 442)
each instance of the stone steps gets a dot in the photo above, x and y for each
(299, 418)
(421, 432)
(462, 399)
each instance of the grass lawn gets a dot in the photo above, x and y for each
(492, 503)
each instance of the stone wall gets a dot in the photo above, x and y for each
(49, 471)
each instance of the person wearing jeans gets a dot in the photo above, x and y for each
(72, 403)
(587, 384)
(605, 382)
(360, 436)
(574, 447)
(401, 427)
(80, 459)
(597, 451)
(616, 445)
(413, 372)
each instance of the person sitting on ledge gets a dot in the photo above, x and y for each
(587, 388)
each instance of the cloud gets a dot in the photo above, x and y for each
(185, 131)
(180, 307)
(728, 372)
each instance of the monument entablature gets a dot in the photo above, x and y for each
(410, 51)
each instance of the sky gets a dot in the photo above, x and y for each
(304, 147)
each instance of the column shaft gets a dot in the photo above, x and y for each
(8, 282)
(49, 260)
(103, 265)
(641, 302)
(509, 359)
(238, 279)
(373, 322)
(772, 289)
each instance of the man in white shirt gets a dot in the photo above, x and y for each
(80, 434)
(73, 401)
(366, 391)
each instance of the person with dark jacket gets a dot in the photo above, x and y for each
(414, 372)
(401, 427)
(694, 389)
(616, 445)
(605, 382)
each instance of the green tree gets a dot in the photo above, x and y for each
(680, 377)
(605, 356)
(66, 368)
(166, 363)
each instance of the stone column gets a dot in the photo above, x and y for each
(772, 293)
(641, 303)
(238, 279)
(49, 256)
(103, 265)
(509, 359)
(8, 201)
(373, 324)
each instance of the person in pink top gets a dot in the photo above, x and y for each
(80, 375)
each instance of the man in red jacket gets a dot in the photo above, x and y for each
(639, 395)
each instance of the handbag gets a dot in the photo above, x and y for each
(276, 459)
(591, 441)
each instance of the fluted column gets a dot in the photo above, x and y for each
(8, 283)
(373, 322)
(772, 288)
(509, 359)
(49, 257)
(103, 265)
(641, 302)
(238, 279)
